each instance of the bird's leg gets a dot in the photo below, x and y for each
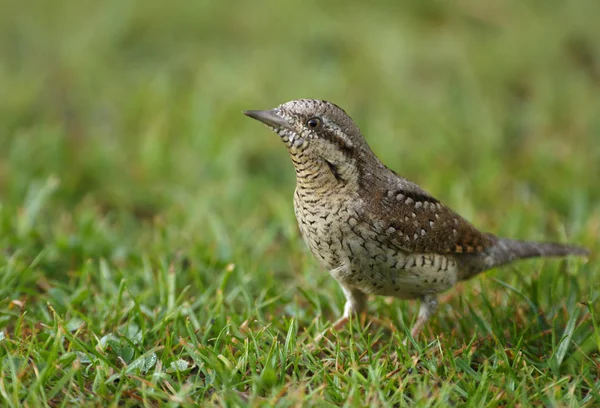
(429, 304)
(355, 304)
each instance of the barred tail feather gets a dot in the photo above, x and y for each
(508, 250)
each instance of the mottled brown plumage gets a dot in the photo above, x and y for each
(373, 230)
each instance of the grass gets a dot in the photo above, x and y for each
(150, 253)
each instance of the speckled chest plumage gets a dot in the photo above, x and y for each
(356, 252)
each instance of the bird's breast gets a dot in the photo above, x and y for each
(358, 255)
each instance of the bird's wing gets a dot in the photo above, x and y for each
(412, 220)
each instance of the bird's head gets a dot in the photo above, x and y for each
(315, 130)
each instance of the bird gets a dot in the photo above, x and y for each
(376, 232)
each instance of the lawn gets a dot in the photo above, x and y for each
(149, 253)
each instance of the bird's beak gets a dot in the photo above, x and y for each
(269, 118)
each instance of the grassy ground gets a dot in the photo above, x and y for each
(149, 251)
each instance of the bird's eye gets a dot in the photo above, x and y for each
(313, 123)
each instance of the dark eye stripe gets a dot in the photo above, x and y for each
(332, 136)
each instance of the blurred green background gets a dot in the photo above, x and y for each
(122, 139)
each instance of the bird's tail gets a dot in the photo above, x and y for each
(508, 250)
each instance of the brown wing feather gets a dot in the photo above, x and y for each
(411, 219)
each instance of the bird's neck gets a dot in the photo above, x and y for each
(314, 174)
